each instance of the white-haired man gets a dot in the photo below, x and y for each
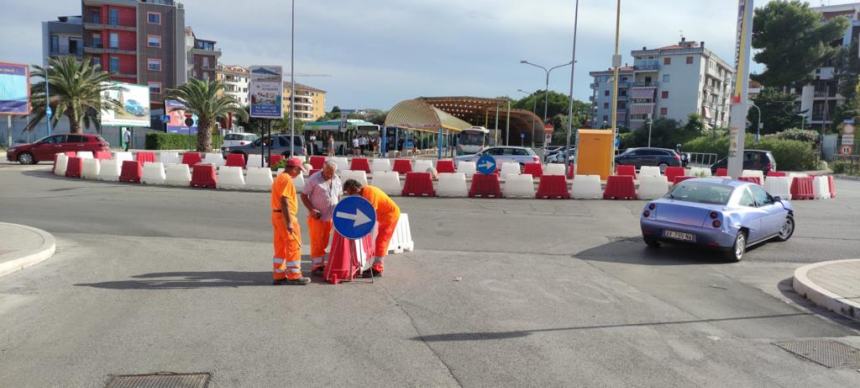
(320, 195)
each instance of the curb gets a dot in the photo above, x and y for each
(847, 177)
(822, 297)
(30, 257)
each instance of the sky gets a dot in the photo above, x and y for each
(375, 53)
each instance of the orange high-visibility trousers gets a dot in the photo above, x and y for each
(287, 258)
(320, 232)
(383, 239)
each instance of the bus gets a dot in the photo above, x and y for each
(473, 140)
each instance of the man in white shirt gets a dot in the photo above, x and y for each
(320, 195)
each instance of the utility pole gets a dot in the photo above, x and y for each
(570, 92)
(292, 81)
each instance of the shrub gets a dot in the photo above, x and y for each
(175, 141)
(708, 145)
(846, 167)
(804, 135)
(792, 155)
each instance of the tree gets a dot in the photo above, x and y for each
(557, 103)
(76, 89)
(777, 112)
(283, 124)
(209, 103)
(794, 41)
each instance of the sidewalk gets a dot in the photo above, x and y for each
(834, 285)
(23, 246)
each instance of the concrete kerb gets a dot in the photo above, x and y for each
(848, 306)
(32, 255)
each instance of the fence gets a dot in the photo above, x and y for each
(700, 159)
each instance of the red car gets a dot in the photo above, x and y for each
(45, 148)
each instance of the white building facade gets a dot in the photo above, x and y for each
(236, 81)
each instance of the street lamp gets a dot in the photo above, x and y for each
(649, 122)
(293, 79)
(802, 119)
(534, 109)
(546, 88)
(48, 111)
(570, 95)
(758, 127)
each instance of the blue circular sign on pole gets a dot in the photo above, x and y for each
(354, 217)
(486, 165)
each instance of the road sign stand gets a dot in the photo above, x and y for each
(354, 218)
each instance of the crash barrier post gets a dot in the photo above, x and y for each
(649, 171)
(360, 164)
(191, 158)
(401, 240)
(620, 187)
(381, 165)
(402, 166)
(259, 178)
(153, 174)
(821, 187)
(701, 172)
(299, 182)
(418, 184)
(445, 166)
(215, 159)
(722, 171)
(131, 171)
(754, 173)
(144, 157)
(519, 186)
(468, 168)
(422, 165)
(254, 160)
(61, 161)
(510, 168)
(571, 171)
(177, 175)
(358, 175)
(100, 155)
(341, 162)
(533, 169)
(625, 169)
(778, 186)
(680, 178)
(802, 188)
(203, 176)
(347, 258)
(274, 159)
(552, 187)
(110, 169)
(169, 157)
(123, 156)
(387, 181)
(586, 187)
(554, 169)
(776, 174)
(230, 178)
(750, 179)
(317, 162)
(90, 169)
(673, 172)
(485, 186)
(74, 167)
(235, 160)
(652, 187)
(832, 186)
(452, 184)
(85, 155)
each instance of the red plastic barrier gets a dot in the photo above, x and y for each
(626, 169)
(619, 187)
(131, 172)
(74, 166)
(102, 155)
(445, 165)
(571, 171)
(235, 160)
(144, 157)
(751, 179)
(801, 188)
(342, 265)
(722, 172)
(203, 176)
(71, 153)
(832, 186)
(402, 166)
(317, 162)
(275, 159)
(552, 186)
(359, 164)
(776, 173)
(485, 186)
(191, 158)
(672, 172)
(535, 169)
(679, 179)
(418, 184)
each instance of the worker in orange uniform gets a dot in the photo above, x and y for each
(287, 258)
(387, 214)
(320, 195)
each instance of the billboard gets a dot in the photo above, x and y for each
(267, 92)
(134, 100)
(176, 123)
(14, 89)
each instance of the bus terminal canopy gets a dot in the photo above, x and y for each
(336, 125)
(418, 115)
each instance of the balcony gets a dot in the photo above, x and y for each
(651, 84)
(201, 51)
(646, 66)
(56, 52)
(96, 24)
(102, 50)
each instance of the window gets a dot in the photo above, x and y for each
(113, 16)
(97, 62)
(689, 60)
(667, 61)
(55, 44)
(97, 40)
(664, 111)
(74, 46)
(664, 94)
(760, 196)
(153, 41)
(747, 199)
(153, 64)
(666, 78)
(75, 139)
(605, 92)
(605, 105)
(56, 139)
(605, 118)
(153, 18)
(114, 64)
(622, 105)
(154, 87)
(114, 40)
(622, 93)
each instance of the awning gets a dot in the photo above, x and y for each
(418, 115)
(642, 109)
(642, 93)
(334, 125)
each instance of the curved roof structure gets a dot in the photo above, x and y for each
(418, 115)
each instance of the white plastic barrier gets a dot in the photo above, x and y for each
(401, 241)
(342, 163)
(586, 187)
(778, 186)
(422, 165)
(299, 182)
(153, 173)
(254, 160)
(358, 175)
(754, 173)
(169, 157)
(380, 165)
(177, 175)
(388, 182)
(85, 154)
(213, 158)
(821, 187)
(452, 185)
(554, 169)
(61, 164)
(649, 171)
(259, 179)
(123, 156)
(510, 168)
(468, 168)
(90, 169)
(651, 187)
(701, 172)
(519, 186)
(110, 169)
(230, 178)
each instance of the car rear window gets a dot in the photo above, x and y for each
(702, 192)
(233, 136)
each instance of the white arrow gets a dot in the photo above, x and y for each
(359, 217)
(487, 165)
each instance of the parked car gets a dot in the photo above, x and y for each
(134, 107)
(280, 145)
(44, 149)
(645, 156)
(558, 155)
(237, 139)
(521, 155)
(760, 160)
(718, 213)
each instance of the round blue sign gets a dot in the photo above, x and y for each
(354, 217)
(486, 165)
(165, 119)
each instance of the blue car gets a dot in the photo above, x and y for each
(134, 107)
(718, 213)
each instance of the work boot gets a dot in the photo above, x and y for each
(318, 269)
(298, 281)
(278, 282)
(373, 272)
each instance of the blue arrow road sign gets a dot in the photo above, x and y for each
(354, 217)
(486, 165)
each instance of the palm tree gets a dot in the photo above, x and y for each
(208, 101)
(76, 89)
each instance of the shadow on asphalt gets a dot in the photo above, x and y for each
(632, 250)
(187, 280)
(786, 288)
(484, 336)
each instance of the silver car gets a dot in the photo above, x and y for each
(502, 154)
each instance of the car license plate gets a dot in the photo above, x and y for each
(679, 235)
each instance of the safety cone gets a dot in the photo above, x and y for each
(347, 258)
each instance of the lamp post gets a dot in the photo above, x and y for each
(802, 120)
(546, 85)
(649, 122)
(758, 127)
(534, 109)
(570, 92)
(293, 79)
(48, 111)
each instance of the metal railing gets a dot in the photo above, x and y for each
(701, 159)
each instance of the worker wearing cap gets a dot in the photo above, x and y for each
(387, 214)
(320, 195)
(287, 258)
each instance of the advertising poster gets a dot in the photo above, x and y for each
(14, 89)
(134, 100)
(176, 111)
(267, 92)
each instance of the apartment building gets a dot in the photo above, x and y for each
(62, 37)
(202, 56)
(667, 82)
(310, 102)
(236, 81)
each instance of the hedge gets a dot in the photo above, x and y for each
(175, 141)
(791, 155)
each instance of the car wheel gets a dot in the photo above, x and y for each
(787, 229)
(736, 253)
(652, 242)
(663, 167)
(26, 158)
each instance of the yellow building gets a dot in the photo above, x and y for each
(310, 102)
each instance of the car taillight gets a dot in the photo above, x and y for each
(716, 223)
(652, 206)
(646, 214)
(535, 159)
(713, 215)
(768, 167)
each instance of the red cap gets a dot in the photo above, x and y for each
(294, 162)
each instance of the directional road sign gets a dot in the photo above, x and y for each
(486, 165)
(354, 217)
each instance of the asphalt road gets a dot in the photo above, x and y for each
(497, 293)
